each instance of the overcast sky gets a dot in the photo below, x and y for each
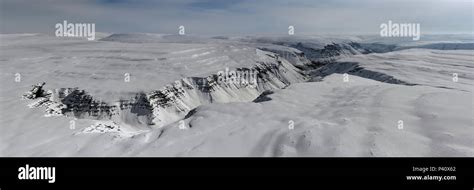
(226, 17)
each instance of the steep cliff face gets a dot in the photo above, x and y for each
(278, 67)
(308, 56)
(70, 102)
(321, 60)
(331, 117)
(174, 101)
(296, 57)
(333, 51)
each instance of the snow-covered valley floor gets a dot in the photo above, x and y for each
(396, 103)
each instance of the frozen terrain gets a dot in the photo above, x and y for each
(158, 95)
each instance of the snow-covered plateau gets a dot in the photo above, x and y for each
(165, 95)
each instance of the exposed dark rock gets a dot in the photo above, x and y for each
(36, 92)
(263, 97)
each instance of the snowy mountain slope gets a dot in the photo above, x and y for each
(174, 101)
(335, 118)
(88, 85)
(102, 63)
(331, 118)
(173, 86)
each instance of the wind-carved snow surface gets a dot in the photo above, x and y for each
(303, 104)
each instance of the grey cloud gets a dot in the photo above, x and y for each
(236, 16)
